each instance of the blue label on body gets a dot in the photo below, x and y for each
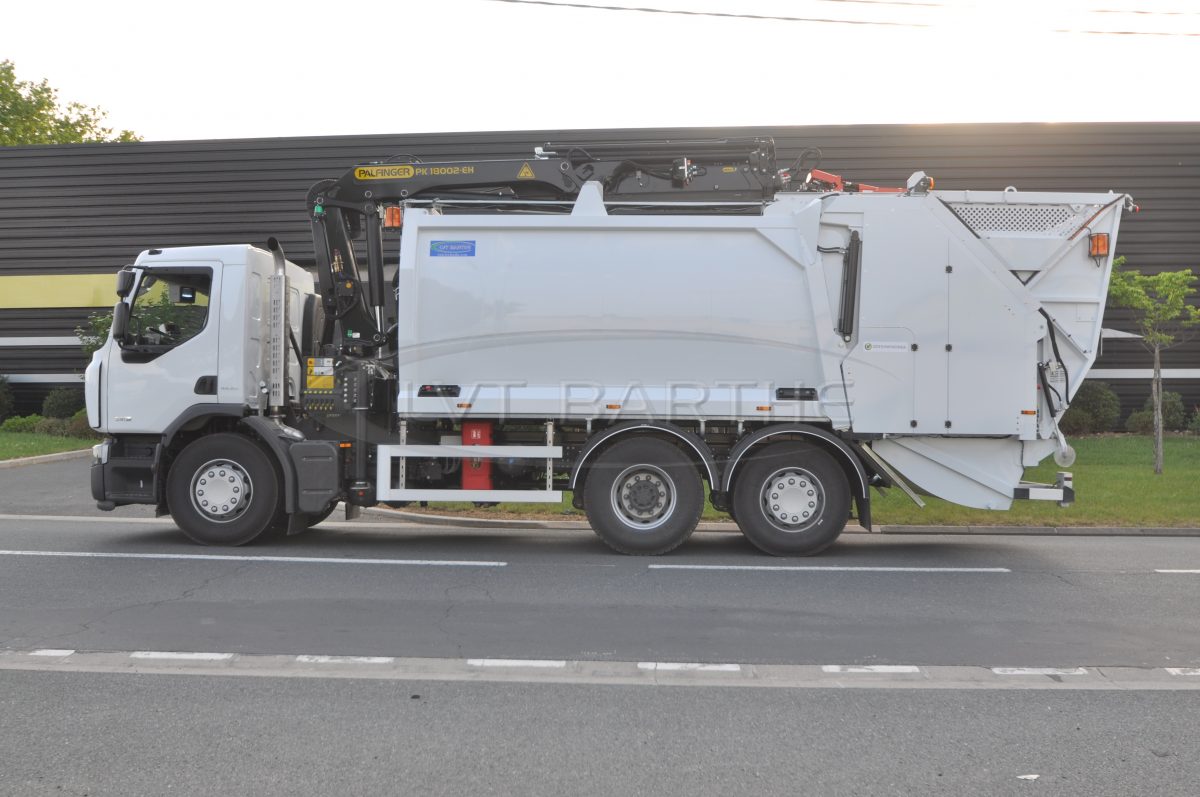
(452, 249)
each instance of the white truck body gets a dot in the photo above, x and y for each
(675, 317)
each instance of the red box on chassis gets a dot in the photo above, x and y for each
(477, 473)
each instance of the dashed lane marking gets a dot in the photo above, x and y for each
(834, 568)
(167, 655)
(890, 669)
(627, 673)
(540, 663)
(682, 666)
(308, 560)
(346, 659)
(1040, 670)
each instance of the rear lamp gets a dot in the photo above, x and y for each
(1098, 244)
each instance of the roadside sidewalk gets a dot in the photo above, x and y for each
(61, 455)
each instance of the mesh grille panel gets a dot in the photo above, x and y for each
(1015, 218)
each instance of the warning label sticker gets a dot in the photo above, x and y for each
(321, 366)
(526, 173)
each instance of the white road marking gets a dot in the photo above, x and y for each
(175, 656)
(51, 652)
(835, 568)
(1183, 670)
(163, 521)
(346, 659)
(1189, 572)
(681, 666)
(868, 668)
(311, 560)
(584, 672)
(1040, 670)
(516, 663)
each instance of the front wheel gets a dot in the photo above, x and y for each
(224, 489)
(792, 499)
(643, 496)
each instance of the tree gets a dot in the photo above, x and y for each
(1160, 304)
(95, 334)
(31, 113)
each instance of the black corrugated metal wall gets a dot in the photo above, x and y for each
(90, 208)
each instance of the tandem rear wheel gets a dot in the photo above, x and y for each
(643, 496)
(791, 499)
(224, 489)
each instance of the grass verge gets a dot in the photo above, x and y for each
(1115, 485)
(14, 445)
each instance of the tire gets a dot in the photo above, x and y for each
(224, 467)
(806, 514)
(623, 507)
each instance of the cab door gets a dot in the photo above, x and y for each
(166, 360)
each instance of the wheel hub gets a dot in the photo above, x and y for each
(643, 496)
(221, 490)
(792, 499)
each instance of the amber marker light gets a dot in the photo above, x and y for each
(1098, 244)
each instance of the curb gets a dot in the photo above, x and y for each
(1047, 531)
(16, 463)
(405, 516)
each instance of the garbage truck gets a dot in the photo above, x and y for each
(649, 327)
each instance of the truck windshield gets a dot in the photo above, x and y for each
(168, 310)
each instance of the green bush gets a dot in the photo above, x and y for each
(78, 426)
(1194, 426)
(1140, 422)
(1174, 415)
(6, 399)
(55, 427)
(19, 424)
(62, 402)
(1077, 420)
(1095, 408)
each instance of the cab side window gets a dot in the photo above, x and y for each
(169, 309)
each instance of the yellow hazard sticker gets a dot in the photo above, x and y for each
(525, 173)
(728, 169)
(319, 382)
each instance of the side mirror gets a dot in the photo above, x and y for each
(124, 282)
(120, 322)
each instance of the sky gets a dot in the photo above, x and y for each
(222, 69)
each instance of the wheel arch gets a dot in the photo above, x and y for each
(691, 444)
(843, 454)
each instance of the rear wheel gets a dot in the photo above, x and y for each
(792, 499)
(643, 496)
(223, 489)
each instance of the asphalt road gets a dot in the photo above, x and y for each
(920, 617)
